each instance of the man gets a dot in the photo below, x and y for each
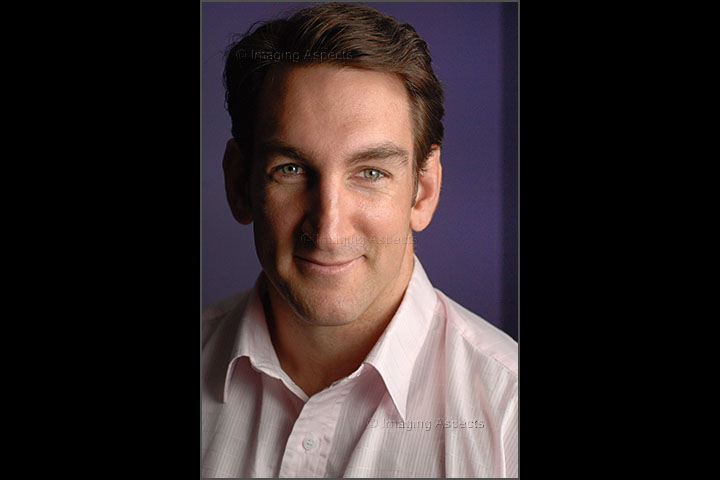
(343, 360)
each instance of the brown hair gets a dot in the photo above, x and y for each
(337, 33)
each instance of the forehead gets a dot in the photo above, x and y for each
(333, 110)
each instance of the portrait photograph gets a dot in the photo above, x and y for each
(359, 239)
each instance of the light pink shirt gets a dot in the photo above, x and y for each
(437, 396)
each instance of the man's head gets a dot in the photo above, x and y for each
(342, 35)
(335, 157)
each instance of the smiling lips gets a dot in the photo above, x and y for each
(312, 265)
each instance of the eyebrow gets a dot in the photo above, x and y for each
(385, 151)
(381, 151)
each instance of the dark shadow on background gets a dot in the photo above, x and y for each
(510, 180)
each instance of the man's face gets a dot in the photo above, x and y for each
(331, 190)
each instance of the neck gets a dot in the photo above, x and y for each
(316, 356)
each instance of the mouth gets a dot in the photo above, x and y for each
(325, 267)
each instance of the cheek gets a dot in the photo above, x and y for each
(276, 220)
(386, 223)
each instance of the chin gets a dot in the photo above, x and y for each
(327, 308)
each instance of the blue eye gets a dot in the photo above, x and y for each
(371, 174)
(291, 169)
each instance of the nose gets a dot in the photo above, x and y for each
(328, 222)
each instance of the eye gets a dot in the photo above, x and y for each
(372, 174)
(291, 169)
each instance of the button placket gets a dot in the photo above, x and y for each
(319, 416)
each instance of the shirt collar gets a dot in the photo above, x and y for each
(253, 340)
(395, 353)
(393, 356)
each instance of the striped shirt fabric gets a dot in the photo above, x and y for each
(437, 396)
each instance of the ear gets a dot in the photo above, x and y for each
(237, 182)
(428, 192)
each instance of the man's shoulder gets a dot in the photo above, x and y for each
(214, 314)
(480, 338)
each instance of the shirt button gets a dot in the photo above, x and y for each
(310, 442)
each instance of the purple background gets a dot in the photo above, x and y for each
(470, 248)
